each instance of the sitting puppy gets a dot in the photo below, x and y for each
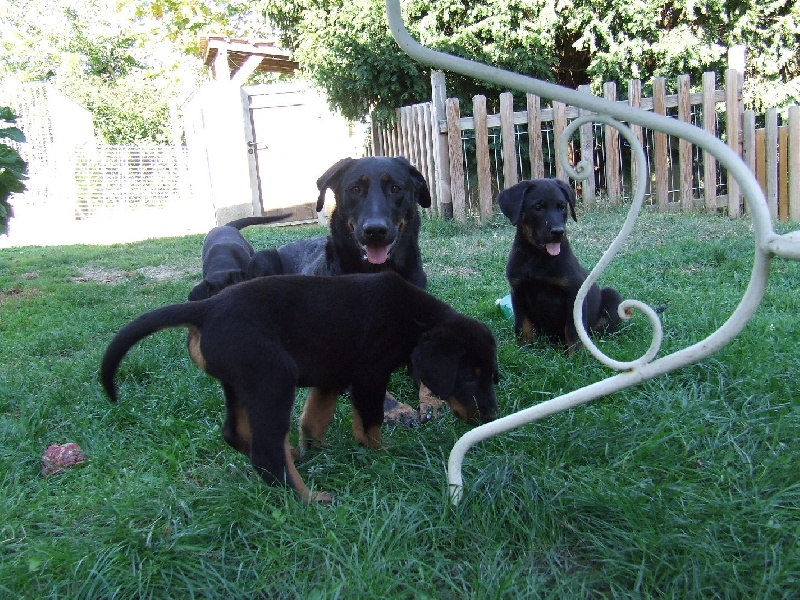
(542, 271)
(262, 339)
(226, 256)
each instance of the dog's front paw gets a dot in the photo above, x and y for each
(397, 413)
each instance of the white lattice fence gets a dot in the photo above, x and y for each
(110, 178)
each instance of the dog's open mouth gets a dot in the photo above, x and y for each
(376, 255)
(553, 248)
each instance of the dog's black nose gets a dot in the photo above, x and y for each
(375, 229)
(557, 232)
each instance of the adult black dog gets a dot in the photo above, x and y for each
(226, 256)
(261, 339)
(374, 227)
(543, 273)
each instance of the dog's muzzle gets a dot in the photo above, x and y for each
(376, 241)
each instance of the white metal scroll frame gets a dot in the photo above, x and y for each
(768, 244)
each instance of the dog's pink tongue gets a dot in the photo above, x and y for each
(377, 255)
(553, 249)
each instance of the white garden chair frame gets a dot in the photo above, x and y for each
(768, 244)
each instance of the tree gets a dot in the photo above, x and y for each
(103, 57)
(345, 46)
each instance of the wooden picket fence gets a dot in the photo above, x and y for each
(467, 160)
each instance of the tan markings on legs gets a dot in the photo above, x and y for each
(430, 405)
(317, 416)
(194, 347)
(296, 482)
(243, 430)
(526, 332)
(371, 438)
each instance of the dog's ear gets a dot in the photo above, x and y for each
(423, 193)
(330, 179)
(434, 362)
(569, 194)
(510, 200)
(200, 292)
(263, 263)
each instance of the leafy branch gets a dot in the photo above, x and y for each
(13, 170)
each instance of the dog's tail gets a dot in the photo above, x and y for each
(248, 221)
(188, 314)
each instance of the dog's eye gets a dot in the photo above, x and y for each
(468, 375)
(356, 189)
(538, 206)
(395, 189)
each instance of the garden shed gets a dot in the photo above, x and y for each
(258, 149)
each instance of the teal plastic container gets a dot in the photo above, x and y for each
(504, 304)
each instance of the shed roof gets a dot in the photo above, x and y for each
(238, 51)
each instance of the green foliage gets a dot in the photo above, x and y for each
(13, 170)
(97, 53)
(346, 48)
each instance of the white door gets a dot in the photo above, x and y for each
(295, 138)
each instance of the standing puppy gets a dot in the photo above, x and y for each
(542, 271)
(262, 340)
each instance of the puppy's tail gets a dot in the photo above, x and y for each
(248, 221)
(175, 315)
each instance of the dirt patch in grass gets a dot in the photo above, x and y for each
(15, 292)
(101, 275)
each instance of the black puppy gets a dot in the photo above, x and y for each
(542, 271)
(261, 339)
(226, 256)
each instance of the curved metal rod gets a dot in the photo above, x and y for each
(627, 306)
(768, 243)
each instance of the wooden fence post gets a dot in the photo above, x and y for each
(441, 150)
(710, 127)
(783, 183)
(685, 146)
(635, 100)
(375, 136)
(559, 125)
(482, 157)
(509, 142)
(535, 135)
(426, 124)
(771, 160)
(611, 136)
(588, 191)
(660, 143)
(456, 151)
(749, 142)
(734, 123)
(794, 163)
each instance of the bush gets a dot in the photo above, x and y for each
(13, 170)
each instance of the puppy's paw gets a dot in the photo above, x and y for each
(322, 498)
(397, 413)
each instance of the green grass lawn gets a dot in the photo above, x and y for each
(685, 486)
